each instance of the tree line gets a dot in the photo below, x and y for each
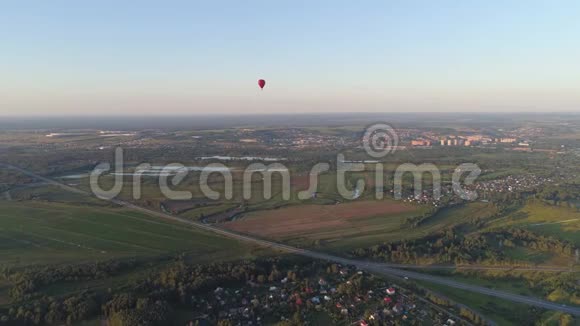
(451, 246)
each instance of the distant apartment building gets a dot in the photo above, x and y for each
(420, 142)
(474, 138)
(457, 141)
(505, 140)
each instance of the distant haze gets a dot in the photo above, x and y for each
(152, 58)
(168, 122)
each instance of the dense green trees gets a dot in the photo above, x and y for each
(453, 247)
(143, 313)
(50, 310)
(559, 194)
(26, 282)
(147, 301)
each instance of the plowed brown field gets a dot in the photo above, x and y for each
(308, 219)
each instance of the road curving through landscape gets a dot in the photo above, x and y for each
(378, 268)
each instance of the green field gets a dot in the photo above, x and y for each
(318, 227)
(497, 310)
(395, 229)
(455, 215)
(526, 254)
(521, 283)
(40, 232)
(558, 221)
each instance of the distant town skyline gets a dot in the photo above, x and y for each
(195, 57)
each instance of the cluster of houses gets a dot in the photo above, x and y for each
(424, 197)
(509, 184)
(427, 139)
(349, 296)
(427, 196)
(512, 183)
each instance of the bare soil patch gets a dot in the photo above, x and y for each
(295, 220)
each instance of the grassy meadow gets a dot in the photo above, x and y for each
(558, 221)
(48, 233)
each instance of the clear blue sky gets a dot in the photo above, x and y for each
(198, 57)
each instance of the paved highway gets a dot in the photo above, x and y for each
(377, 268)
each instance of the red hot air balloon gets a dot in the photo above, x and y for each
(261, 83)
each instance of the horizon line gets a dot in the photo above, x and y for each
(58, 115)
